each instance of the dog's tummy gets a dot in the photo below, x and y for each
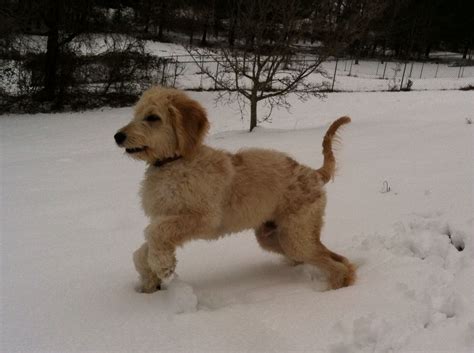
(268, 184)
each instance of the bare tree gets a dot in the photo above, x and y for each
(263, 65)
(256, 69)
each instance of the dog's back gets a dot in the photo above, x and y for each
(269, 183)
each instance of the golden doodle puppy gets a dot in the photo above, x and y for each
(192, 191)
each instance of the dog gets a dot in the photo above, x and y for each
(192, 191)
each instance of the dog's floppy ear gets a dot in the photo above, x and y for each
(190, 123)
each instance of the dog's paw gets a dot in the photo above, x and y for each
(162, 266)
(147, 289)
(149, 285)
(166, 272)
(344, 278)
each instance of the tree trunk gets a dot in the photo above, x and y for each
(427, 51)
(357, 50)
(466, 50)
(397, 49)
(233, 24)
(374, 50)
(253, 111)
(191, 35)
(231, 36)
(51, 64)
(50, 79)
(215, 23)
(162, 20)
(204, 33)
(160, 32)
(250, 40)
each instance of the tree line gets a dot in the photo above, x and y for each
(409, 28)
(258, 29)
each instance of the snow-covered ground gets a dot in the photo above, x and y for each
(70, 219)
(363, 77)
(367, 75)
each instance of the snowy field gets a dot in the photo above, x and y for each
(367, 76)
(71, 220)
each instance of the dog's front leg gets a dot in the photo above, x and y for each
(149, 280)
(164, 237)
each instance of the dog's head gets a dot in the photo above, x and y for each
(166, 123)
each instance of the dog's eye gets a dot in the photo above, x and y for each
(152, 117)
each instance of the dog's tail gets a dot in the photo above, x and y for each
(329, 165)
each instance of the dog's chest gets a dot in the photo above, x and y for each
(162, 194)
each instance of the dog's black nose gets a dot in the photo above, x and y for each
(120, 137)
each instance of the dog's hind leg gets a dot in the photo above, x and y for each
(149, 280)
(267, 237)
(299, 239)
(341, 272)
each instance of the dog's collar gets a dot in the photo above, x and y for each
(162, 162)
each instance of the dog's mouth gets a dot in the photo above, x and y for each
(135, 149)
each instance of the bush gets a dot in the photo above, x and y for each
(408, 86)
(467, 88)
(114, 77)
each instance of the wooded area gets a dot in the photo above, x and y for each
(403, 29)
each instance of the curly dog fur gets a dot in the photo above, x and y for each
(192, 191)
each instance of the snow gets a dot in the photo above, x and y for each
(367, 75)
(364, 77)
(70, 220)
